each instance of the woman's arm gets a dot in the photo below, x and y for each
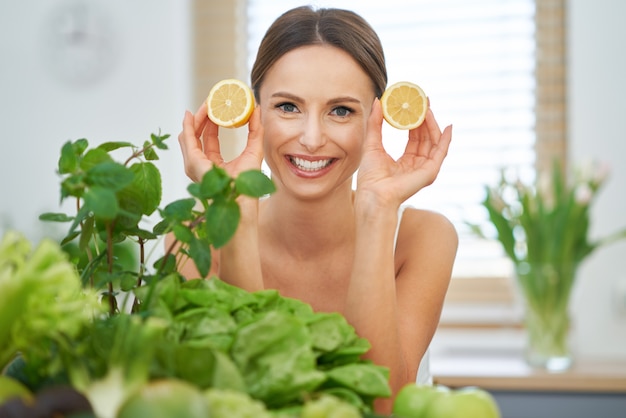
(397, 305)
(395, 300)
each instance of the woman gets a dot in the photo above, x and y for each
(317, 80)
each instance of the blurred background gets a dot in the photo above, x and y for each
(121, 70)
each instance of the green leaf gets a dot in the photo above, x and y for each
(55, 217)
(148, 152)
(202, 366)
(254, 183)
(179, 210)
(183, 233)
(143, 194)
(213, 184)
(90, 269)
(165, 264)
(158, 141)
(102, 202)
(73, 185)
(113, 145)
(86, 232)
(80, 145)
(222, 218)
(351, 353)
(110, 175)
(141, 233)
(200, 253)
(70, 237)
(194, 190)
(93, 157)
(276, 354)
(330, 331)
(161, 227)
(127, 281)
(68, 161)
(81, 215)
(366, 379)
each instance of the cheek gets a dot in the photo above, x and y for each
(275, 134)
(351, 137)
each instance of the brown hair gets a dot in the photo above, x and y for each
(304, 26)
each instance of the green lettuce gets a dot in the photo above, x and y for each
(42, 302)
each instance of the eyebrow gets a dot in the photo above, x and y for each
(342, 99)
(286, 95)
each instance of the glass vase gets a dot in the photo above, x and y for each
(547, 341)
(546, 289)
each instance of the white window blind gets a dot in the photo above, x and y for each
(475, 60)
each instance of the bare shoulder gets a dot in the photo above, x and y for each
(425, 225)
(426, 236)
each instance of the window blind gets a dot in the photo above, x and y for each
(476, 62)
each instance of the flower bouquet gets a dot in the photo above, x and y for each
(544, 231)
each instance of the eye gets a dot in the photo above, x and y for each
(341, 111)
(287, 107)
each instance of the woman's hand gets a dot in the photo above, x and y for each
(395, 181)
(200, 145)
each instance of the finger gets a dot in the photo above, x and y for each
(432, 126)
(374, 136)
(255, 136)
(440, 151)
(415, 137)
(201, 118)
(207, 133)
(420, 142)
(211, 142)
(424, 137)
(187, 139)
(195, 162)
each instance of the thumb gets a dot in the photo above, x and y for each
(255, 135)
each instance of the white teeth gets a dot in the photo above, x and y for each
(307, 165)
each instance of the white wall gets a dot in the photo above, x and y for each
(146, 90)
(597, 88)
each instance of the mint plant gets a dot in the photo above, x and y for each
(113, 198)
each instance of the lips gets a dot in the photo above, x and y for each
(310, 165)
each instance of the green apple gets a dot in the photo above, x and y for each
(11, 388)
(413, 399)
(469, 402)
(166, 398)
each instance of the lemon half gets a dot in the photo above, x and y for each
(404, 105)
(230, 103)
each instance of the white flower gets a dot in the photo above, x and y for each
(583, 194)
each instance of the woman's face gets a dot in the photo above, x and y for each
(315, 102)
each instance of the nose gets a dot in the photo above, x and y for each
(313, 136)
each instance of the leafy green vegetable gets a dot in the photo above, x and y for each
(277, 347)
(42, 303)
(229, 404)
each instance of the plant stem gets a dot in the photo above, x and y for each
(142, 260)
(110, 266)
(137, 153)
(192, 225)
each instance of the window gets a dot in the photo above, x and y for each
(476, 61)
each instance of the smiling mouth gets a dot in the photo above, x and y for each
(307, 165)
